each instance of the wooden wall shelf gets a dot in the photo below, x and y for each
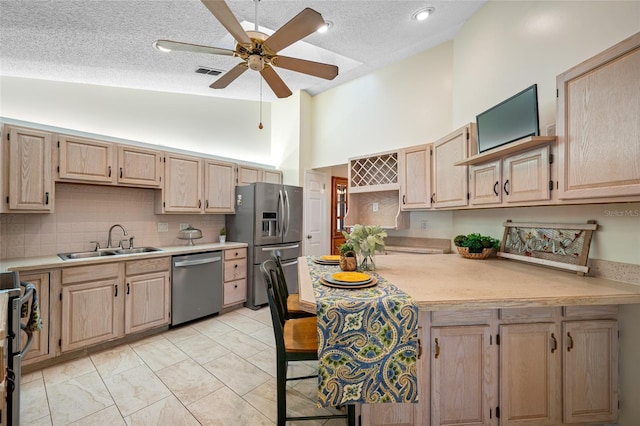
(511, 148)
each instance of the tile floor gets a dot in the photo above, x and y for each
(216, 371)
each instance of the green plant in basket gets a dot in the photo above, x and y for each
(476, 242)
(346, 249)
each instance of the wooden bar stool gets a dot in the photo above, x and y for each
(294, 310)
(296, 340)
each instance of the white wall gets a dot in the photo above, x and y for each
(215, 126)
(404, 104)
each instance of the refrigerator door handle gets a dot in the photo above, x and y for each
(288, 218)
(280, 213)
(293, 246)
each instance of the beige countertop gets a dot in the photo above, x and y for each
(450, 282)
(53, 262)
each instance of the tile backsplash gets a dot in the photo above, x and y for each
(84, 213)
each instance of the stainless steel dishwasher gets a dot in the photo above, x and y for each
(196, 286)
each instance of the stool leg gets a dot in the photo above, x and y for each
(281, 389)
(351, 415)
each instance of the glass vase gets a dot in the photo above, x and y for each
(366, 262)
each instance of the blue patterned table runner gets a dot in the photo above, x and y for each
(367, 342)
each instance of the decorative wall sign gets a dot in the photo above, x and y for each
(564, 246)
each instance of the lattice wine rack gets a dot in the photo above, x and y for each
(378, 170)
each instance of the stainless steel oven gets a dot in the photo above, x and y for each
(10, 286)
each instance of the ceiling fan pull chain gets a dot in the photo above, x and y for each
(260, 126)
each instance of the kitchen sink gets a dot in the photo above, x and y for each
(106, 252)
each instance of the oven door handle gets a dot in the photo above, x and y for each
(197, 262)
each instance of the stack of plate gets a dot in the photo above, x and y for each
(350, 280)
(329, 259)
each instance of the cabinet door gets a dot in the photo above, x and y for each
(462, 389)
(85, 160)
(529, 374)
(416, 177)
(272, 176)
(590, 371)
(40, 343)
(527, 176)
(91, 313)
(138, 166)
(219, 187)
(183, 179)
(30, 179)
(247, 175)
(450, 182)
(148, 301)
(486, 180)
(598, 118)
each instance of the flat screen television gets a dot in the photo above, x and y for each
(510, 120)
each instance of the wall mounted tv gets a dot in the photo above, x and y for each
(510, 120)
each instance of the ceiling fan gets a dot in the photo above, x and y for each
(258, 50)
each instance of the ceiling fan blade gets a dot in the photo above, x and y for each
(221, 11)
(275, 82)
(188, 47)
(226, 79)
(300, 26)
(316, 69)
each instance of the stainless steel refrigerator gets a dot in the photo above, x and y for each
(268, 217)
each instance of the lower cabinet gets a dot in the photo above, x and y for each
(106, 301)
(235, 277)
(40, 344)
(530, 366)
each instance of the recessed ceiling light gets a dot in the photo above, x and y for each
(422, 14)
(327, 25)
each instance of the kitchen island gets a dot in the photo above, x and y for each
(504, 339)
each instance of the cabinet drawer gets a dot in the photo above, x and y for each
(235, 269)
(135, 267)
(235, 292)
(235, 254)
(462, 317)
(89, 273)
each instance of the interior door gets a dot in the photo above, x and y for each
(316, 228)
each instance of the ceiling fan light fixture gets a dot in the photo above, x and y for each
(422, 14)
(256, 62)
(161, 48)
(326, 27)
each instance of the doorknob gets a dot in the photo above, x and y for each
(309, 237)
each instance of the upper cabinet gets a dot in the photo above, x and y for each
(450, 182)
(27, 181)
(139, 166)
(85, 160)
(194, 185)
(598, 125)
(272, 176)
(416, 177)
(249, 174)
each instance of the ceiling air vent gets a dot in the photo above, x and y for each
(208, 71)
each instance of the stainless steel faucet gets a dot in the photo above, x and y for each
(111, 229)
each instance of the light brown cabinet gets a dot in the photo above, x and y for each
(92, 305)
(40, 344)
(598, 117)
(219, 187)
(450, 182)
(147, 294)
(27, 180)
(235, 277)
(87, 160)
(182, 192)
(416, 177)
(249, 174)
(522, 177)
(139, 166)
(271, 176)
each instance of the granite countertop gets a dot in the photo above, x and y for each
(450, 282)
(54, 262)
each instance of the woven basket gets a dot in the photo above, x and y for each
(349, 263)
(464, 252)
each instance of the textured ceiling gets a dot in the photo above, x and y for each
(109, 42)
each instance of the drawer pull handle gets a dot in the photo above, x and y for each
(437, 349)
(46, 198)
(121, 173)
(109, 172)
(570, 342)
(128, 289)
(555, 343)
(506, 191)
(116, 291)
